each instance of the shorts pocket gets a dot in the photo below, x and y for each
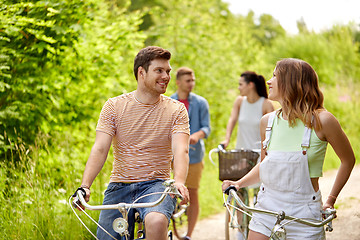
(260, 195)
(314, 209)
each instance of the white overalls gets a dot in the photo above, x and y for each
(286, 186)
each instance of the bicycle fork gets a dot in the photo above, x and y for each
(278, 232)
(120, 225)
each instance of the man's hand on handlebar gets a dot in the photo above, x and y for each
(85, 192)
(183, 191)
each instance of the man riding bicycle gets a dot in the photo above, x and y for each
(148, 130)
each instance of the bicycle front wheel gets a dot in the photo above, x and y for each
(180, 220)
(237, 223)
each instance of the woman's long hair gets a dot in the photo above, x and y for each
(258, 80)
(300, 93)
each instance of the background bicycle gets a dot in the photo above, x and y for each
(279, 230)
(233, 165)
(179, 220)
(121, 224)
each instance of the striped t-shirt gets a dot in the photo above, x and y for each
(142, 136)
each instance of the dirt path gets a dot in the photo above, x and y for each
(346, 225)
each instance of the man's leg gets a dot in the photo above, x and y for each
(193, 184)
(156, 218)
(156, 225)
(193, 210)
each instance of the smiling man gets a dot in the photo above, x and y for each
(147, 130)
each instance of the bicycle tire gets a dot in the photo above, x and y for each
(179, 220)
(232, 224)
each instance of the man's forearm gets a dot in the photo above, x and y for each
(180, 148)
(199, 134)
(97, 157)
(93, 166)
(181, 168)
(92, 169)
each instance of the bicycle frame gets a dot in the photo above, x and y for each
(278, 232)
(120, 225)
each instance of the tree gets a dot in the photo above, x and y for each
(55, 57)
(34, 37)
(301, 25)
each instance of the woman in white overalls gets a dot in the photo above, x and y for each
(294, 144)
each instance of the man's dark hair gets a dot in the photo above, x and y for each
(146, 55)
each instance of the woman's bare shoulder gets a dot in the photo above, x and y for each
(238, 100)
(329, 125)
(268, 106)
(327, 118)
(264, 119)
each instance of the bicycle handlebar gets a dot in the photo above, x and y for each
(329, 212)
(170, 189)
(219, 148)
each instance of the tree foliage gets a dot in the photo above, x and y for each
(34, 38)
(55, 55)
(333, 53)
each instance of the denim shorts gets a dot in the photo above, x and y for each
(128, 193)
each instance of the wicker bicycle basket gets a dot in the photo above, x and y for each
(234, 164)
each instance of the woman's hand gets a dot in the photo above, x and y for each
(228, 183)
(329, 203)
(225, 143)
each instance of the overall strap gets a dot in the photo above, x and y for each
(269, 129)
(305, 144)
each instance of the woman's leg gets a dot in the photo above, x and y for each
(257, 236)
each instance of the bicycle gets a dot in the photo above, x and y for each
(278, 232)
(120, 225)
(233, 165)
(179, 219)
